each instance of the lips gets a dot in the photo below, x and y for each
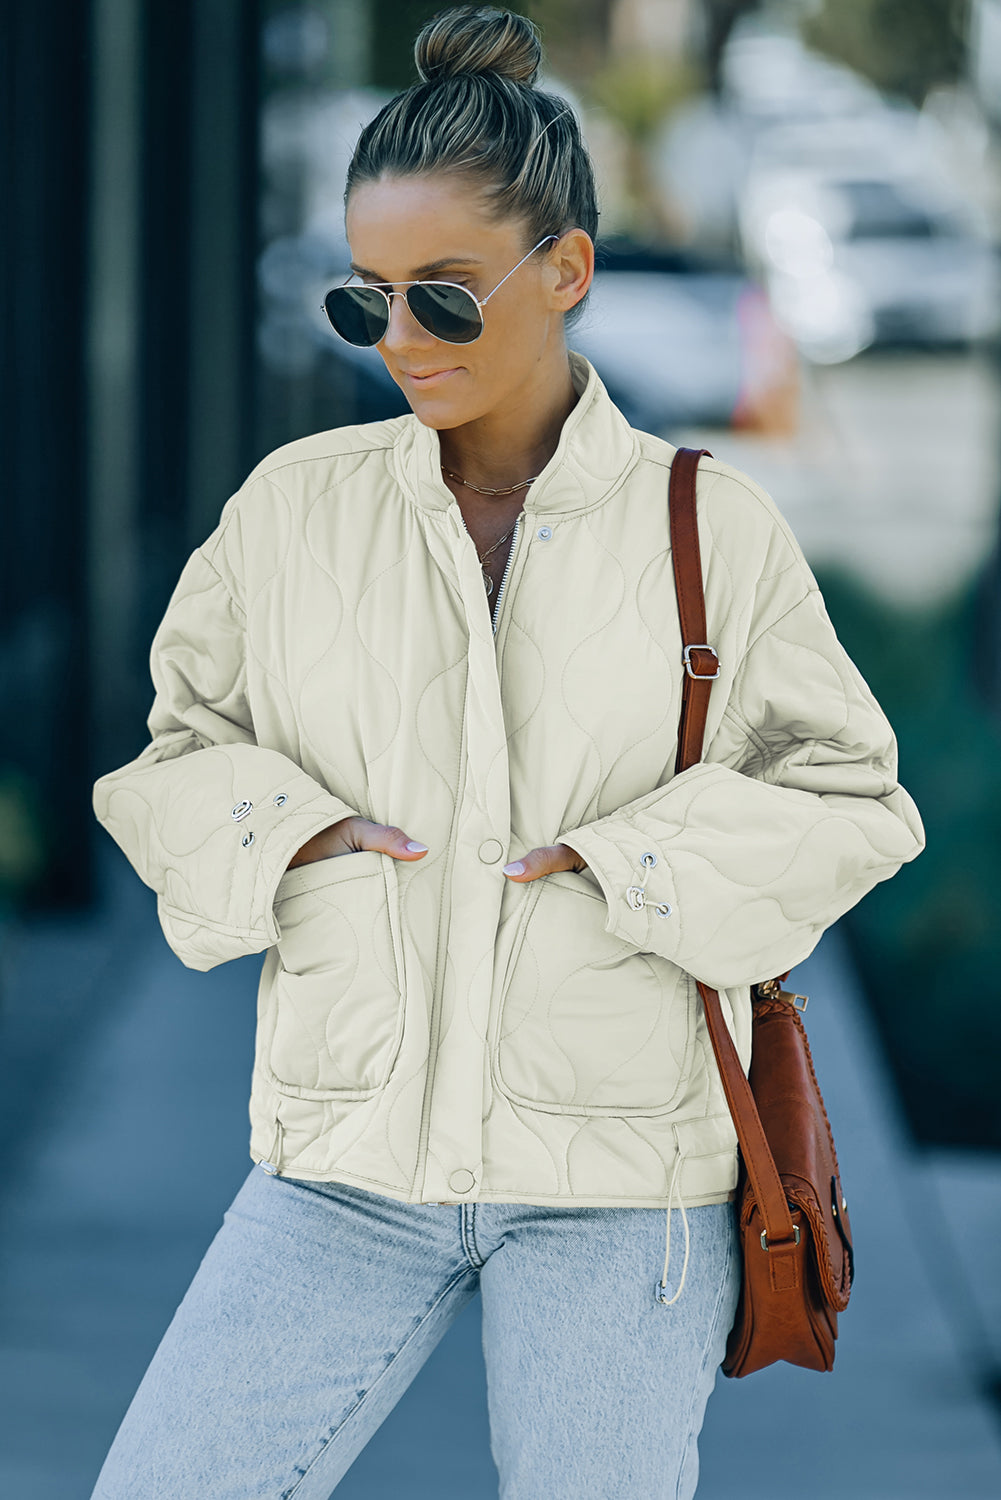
(433, 377)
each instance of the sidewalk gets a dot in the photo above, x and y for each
(105, 1223)
(901, 1416)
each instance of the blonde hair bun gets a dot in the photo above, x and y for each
(478, 39)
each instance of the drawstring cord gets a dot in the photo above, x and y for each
(661, 1292)
(636, 894)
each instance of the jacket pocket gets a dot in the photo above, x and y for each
(338, 1000)
(588, 1024)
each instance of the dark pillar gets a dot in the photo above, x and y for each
(44, 815)
(198, 232)
(128, 174)
(176, 92)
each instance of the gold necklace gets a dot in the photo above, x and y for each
(487, 491)
(511, 488)
(486, 576)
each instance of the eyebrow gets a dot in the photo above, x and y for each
(419, 271)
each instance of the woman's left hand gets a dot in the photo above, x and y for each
(544, 861)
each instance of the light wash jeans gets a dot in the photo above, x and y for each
(316, 1304)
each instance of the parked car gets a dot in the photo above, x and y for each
(681, 339)
(854, 257)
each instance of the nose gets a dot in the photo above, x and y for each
(404, 331)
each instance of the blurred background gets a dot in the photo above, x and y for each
(799, 269)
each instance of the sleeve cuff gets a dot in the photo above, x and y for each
(636, 896)
(289, 816)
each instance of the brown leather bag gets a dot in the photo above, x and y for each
(792, 1215)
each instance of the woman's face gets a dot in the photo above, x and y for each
(434, 228)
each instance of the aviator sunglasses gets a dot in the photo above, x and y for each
(449, 312)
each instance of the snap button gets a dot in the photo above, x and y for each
(490, 851)
(461, 1180)
(281, 799)
(242, 809)
(544, 533)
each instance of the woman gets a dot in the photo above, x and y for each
(411, 651)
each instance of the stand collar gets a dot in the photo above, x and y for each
(596, 447)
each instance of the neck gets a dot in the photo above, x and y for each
(514, 442)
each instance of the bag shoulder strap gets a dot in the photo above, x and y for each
(700, 660)
(701, 670)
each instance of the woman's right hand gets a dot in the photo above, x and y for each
(353, 834)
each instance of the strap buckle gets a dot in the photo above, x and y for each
(701, 676)
(764, 1238)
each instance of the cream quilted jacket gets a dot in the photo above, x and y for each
(433, 1030)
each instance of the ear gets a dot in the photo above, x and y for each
(572, 268)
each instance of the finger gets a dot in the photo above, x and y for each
(533, 864)
(544, 861)
(400, 845)
(571, 860)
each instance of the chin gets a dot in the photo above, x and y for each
(440, 414)
(438, 420)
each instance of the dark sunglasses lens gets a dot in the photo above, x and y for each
(358, 313)
(448, 312)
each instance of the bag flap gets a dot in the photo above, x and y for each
(796, 1125)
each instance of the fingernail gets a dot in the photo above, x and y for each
(415, 847)
(517, 867)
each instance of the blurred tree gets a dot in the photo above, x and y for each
(22, 846)
(718, 20)
(637, 91)
(904, 46)
(928, 942)
(574, 33)
(984, 70)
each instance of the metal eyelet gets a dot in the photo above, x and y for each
(663, 909)
(242, 809)
(635, 894)
(247, 840)
(281, 799)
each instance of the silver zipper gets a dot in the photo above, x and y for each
(510, 557)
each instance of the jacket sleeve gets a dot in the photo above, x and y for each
(209, 818)
(793, 815)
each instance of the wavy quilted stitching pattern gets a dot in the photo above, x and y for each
(605, 1030)
(329, 650)
(338, 1001)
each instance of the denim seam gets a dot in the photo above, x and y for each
(723, 1283)
(289, 1494)
(467, 1228)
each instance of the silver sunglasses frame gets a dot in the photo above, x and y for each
(480, 305)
